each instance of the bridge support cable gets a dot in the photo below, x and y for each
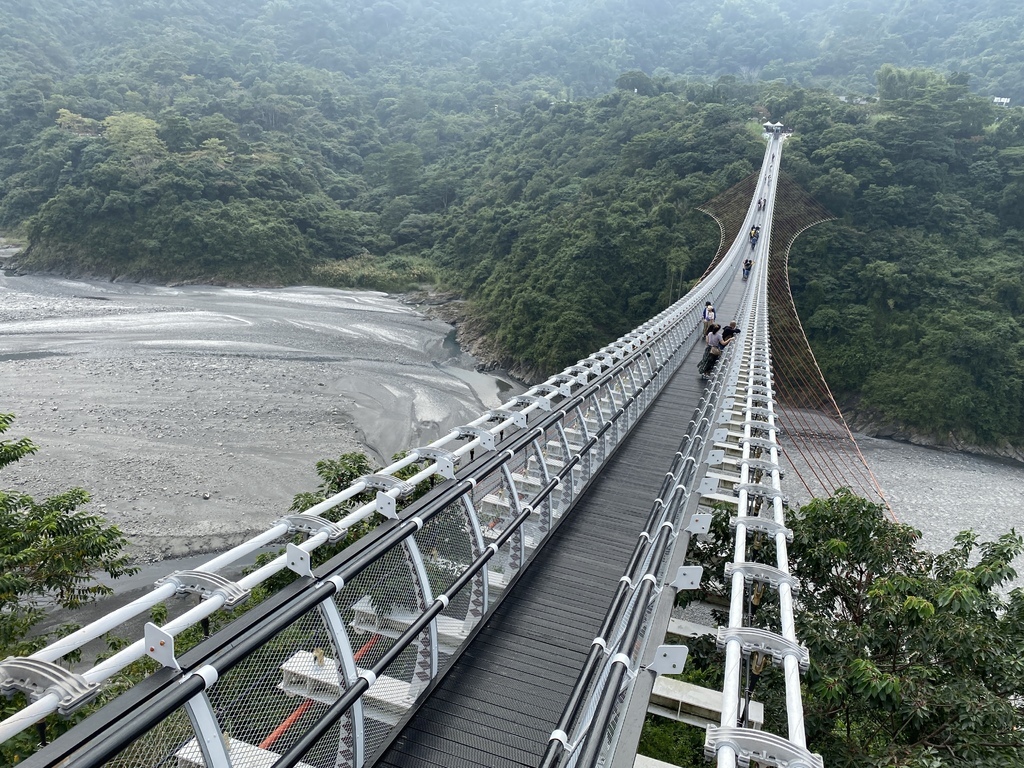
(819, 448)
(321, 672)
(819, 444)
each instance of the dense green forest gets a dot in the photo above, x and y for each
(912, 653)
(913, 300)
(545, 160)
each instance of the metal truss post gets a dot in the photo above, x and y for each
(545, 515)
(426, 641)
(479, 600)
(517, 544)
(210, 738)
(213, 744)
(568, 487)
(352, 737)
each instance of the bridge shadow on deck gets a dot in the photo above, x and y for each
(502, 698)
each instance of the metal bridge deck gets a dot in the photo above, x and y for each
(504, 695)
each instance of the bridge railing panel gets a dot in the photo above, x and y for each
(159, 745)
(294, 675)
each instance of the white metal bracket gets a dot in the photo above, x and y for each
(386, 505)
(485, 437)
(699, 525)
(160, 646)
(669, 659)
(688, 577)
(715, 457)
(503, 414)
(444, 461)
(542, 402)
(299, 560)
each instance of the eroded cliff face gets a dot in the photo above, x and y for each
(870, 425)
(472, 337)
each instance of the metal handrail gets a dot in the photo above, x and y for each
(760, 507)
(586, 718)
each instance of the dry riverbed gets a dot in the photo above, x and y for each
(194, 414)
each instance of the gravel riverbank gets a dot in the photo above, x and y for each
(194, 414)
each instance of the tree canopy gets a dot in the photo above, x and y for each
(915, 657)
(913, 299)
(52, 555)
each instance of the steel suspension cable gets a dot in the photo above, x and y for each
(802, 385)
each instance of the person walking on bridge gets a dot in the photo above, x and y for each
(716, 344)
(708, 316)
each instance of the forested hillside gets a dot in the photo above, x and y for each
(913, 300)
(544, 159)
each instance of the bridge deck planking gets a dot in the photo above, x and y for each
(504, 695)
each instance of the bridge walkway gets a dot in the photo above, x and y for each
(502, 697)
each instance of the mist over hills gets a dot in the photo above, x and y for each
(575, 45)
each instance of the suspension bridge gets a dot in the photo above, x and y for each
(512, 606)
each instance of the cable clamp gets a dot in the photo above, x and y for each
(561, 737)
(762, 574)
(762, 525)
(761, 747)
(753, 640)
(36, 678)
(206, 584)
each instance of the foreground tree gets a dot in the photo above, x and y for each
(51, 553)
(915, 657)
